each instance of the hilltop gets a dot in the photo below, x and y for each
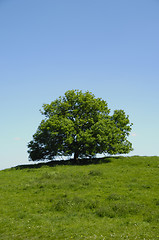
(116, 198)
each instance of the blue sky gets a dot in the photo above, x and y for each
(48, 47)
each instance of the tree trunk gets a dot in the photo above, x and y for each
(75, 156)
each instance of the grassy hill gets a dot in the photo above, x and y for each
(118, 198)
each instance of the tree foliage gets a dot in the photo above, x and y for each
(79, 124)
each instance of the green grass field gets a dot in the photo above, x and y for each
(117, 198)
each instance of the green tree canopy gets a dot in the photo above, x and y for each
(79, 124)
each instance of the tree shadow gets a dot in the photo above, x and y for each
(80, 162)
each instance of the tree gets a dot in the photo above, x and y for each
(79, 124)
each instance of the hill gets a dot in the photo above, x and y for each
(118, 198)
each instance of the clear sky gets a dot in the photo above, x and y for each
(110, 48)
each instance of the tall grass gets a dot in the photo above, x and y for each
(116, 199)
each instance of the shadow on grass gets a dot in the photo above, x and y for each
(54, 163)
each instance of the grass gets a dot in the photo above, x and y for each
(118, 198)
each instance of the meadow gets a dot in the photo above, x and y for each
(117, 198)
